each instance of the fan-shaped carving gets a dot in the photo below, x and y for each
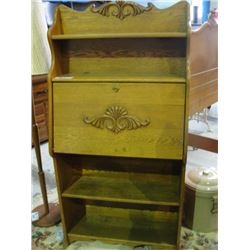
(121, 9)
(116, 119)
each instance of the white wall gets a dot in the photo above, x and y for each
(213, 4)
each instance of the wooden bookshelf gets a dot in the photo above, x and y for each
(118, 109)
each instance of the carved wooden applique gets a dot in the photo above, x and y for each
(121, 9)
(116, 119)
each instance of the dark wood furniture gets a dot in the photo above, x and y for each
(203, 76)
(40, 97)
(118, 114)
(201, 142)
(204, 66)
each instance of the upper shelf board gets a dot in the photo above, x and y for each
(120, 35)
(119, 78)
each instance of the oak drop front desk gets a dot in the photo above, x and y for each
(118, 121)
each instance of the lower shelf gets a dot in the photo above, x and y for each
(126, 187)
(127, 226)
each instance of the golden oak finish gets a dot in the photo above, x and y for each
(185, 131)
(161, 138)
(55, 69)
(119, 35)
(140, 188)
(119, 78)
(123, 59)
(118, 111)
(156, 20)
(127, 226)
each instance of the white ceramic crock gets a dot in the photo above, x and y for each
(201, 199)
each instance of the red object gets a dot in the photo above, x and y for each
(215, 14)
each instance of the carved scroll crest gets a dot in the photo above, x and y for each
(121, 9)
(116, 119)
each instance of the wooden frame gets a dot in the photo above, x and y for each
(203, 76)
(40, 97)
(202, 142)
(148, 59)
(204, 66)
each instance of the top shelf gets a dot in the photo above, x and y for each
(130, 77)
(120, 35)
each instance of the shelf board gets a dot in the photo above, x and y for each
(120, 35)
(130, 77)
(129, 226)
(126, 187)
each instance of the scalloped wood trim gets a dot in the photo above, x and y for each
(121, 9)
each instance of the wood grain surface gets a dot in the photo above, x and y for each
(118, 102)
(127, 226)
(140, 188)
(173, 19)
(162, 138)
(204, 66)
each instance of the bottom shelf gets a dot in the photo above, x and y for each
(127, 226)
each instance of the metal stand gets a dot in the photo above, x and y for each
(49, 213)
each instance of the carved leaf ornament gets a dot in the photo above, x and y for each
(121, 9)
(116, 119)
